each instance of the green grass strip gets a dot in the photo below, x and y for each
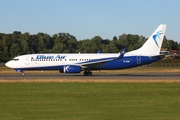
(89, 101)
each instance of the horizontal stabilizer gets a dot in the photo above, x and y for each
(158, 56)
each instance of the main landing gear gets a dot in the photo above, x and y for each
(87, 72)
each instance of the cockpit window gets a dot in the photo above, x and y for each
(15, 59)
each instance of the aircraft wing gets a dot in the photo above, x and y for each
(99, 62)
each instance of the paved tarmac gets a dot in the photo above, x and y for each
(135, 76)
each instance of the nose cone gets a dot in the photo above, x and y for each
(9, 64)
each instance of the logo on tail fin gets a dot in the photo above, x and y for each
(157, 35)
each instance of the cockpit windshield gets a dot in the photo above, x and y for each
(15, 59)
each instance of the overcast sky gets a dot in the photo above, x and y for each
(85, 19)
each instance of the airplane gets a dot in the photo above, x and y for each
(78, 62)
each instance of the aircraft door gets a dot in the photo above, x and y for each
(138, 59)
(27, 61)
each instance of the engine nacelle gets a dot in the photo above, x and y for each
(72, 69)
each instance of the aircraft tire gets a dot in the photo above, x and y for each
(22, 74)
(88, 73)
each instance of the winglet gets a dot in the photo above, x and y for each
(122, 53)
(99, 51)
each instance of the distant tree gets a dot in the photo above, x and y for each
(114, 38)
(174, 45)
(33, 44)
(113, 47)
(166, 44)
(105, 48)
(122, 41)
(24, 42)
(58, 46)
(95, 44)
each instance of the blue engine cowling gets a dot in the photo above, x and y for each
(72, 69)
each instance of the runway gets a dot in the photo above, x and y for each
(135, 76)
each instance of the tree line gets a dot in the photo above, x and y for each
(16, 43)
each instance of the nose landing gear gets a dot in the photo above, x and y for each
(22, 72)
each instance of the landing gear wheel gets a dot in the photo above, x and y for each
(22, 74)
(90, 73)
(87, 73)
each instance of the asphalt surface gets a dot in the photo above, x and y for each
(135, 76)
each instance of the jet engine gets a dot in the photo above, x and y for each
(72, 69)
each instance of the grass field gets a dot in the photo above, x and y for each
(89, 101)
(103, 100)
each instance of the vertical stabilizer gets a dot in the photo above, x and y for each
(153, 45)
